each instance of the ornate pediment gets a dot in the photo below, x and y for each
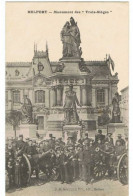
(40, 80)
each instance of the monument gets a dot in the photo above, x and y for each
(27, 128)
(71, 116)
(70, 36)
(116, 126)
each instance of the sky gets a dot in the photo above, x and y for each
(101, 34)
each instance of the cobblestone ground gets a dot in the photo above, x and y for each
(42, 188)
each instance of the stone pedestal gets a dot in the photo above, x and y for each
(72, 130)
(28, 130)
(71, 65)
(117, 128)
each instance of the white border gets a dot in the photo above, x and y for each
(2, 92)
(2, 97)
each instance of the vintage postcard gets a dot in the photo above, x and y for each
(66, 98)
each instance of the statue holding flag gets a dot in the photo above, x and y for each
(110, 62)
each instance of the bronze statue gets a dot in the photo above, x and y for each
(71, 116)
(116, 109)
(70, 37)
(26, 110)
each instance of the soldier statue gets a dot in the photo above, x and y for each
(26, 110)
(116, 109)
(71, 116)
(70, 37)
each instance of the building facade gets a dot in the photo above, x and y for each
(46, 82)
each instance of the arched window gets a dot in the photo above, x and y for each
(39, 96)
(100, 96)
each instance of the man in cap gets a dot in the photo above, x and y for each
(108, 158)
(109, 139)
(46, 146)
(34, 144)
(75, 162)
(119, 149)
(26, 142)
(80, 161)
(51, 142)
(86, 139)
(61, 161)
(30, 151)
(61, 143)
(70, 140)
(100, 136)
(20, 145)
(10, 170)
(70, 163)
(87, 162)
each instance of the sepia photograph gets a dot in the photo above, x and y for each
(66, 98)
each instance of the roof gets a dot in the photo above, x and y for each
(17, 70)
(97, 68)
(18, 64)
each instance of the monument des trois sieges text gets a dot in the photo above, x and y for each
(67, 97)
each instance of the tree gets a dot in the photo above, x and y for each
(13, 118)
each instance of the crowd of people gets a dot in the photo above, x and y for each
(74, 160)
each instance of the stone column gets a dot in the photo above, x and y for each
(53, 97)
(21, 95)
(106, 97)
(59, 95)
(89, 95)
(10, 100)
(84, 95)
(31, 95)
(93, 97)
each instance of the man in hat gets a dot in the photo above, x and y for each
(120, 139)
(119, 149)
(109, 139)
(100, 136)
(86, 139)
(45, 146)
(61, 143)
(20, 145)
(10, 170)
(68, 164)
(87, 162)
(70, 141)
(108, 158)
(80, 161)
(51, 142)
(61, 160)
(30, 151)
(75, 162)
(26, 142)
(34, 144)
